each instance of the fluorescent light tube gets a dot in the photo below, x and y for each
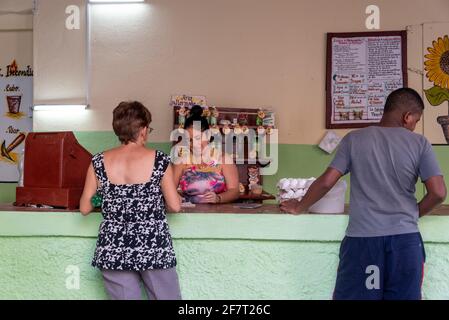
(60, 107)
(115, 1)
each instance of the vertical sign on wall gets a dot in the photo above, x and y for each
(16, 99)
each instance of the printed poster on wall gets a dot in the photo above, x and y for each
(16, 99)
(362, 69)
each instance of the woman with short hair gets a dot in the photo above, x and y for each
(136, 185)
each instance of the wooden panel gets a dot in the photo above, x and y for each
(56, 197)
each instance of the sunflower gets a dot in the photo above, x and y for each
(437, 63)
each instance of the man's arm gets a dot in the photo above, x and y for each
(435, 195)
(318, 189)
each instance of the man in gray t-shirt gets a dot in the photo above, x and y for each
(385, 163)
(382, 236)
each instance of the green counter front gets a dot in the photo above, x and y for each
(223, 253)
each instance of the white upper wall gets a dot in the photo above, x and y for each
(16, 36)
(59, 55)
(16, 14)
(239, 53)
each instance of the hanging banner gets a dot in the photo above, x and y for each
(16, 100)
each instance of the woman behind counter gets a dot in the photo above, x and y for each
(136, 184)
(216, 181)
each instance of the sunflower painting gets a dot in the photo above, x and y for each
(437, 67)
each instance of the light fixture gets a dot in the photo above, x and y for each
(60, 107)
(115, 1)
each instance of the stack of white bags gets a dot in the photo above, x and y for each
(291, 188)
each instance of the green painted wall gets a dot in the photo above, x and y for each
(7, 192)
(208, 269)
(220, 256)
(295, 160)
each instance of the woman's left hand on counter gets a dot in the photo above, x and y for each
(291, 206)
(210, 197)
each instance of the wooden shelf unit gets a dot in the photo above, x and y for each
(230, 114)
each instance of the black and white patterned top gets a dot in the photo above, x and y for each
(134, 234)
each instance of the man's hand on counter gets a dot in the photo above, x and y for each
(292, 206)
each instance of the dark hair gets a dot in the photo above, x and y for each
(404, 99)
(196, 114)
(129, 117)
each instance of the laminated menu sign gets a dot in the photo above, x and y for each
(16, 96)
(362, 69)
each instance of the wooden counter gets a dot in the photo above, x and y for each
(221, 255)
(229, 208)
